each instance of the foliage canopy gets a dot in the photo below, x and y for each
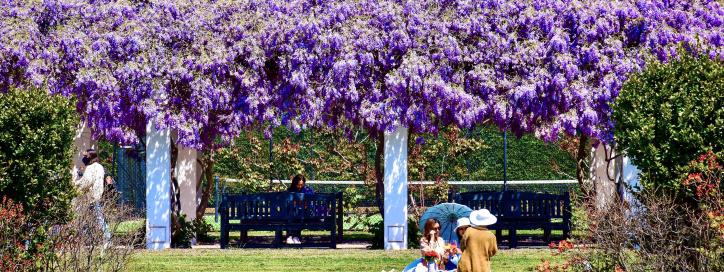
(210, 69)
(36, 137)
(668, 115)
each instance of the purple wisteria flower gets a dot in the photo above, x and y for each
(210, 69)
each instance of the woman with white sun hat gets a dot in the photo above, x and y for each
(478, 243)
(453, 254)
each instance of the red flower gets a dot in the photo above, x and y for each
(431, 254)
(569, 245)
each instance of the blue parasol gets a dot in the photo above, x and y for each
(447, 214)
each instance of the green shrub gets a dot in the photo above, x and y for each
(202, 229)
(413, 236)
(36, 137)
(669, 114)
(182, 234)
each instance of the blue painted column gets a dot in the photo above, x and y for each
(395, 181)
(158, 188)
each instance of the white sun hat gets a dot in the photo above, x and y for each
(462, 222)
(482, 217)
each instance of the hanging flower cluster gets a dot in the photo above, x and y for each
(209, 69)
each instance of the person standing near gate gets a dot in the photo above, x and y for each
(478, 243)
(92, 183)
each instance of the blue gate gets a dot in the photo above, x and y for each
(130, 166)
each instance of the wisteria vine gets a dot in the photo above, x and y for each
(210, 69)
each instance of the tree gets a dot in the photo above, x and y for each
(668, 115)
(36, 142)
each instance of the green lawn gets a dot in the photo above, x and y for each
(206, 260)
(349, 235)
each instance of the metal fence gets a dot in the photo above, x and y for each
(130, 177)
(367, 191)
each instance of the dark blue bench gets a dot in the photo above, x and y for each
(281, 211)
(521, 211)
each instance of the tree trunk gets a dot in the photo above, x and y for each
(207, 164)
(603, 176)
(581, 168)
(379, 173)
(414, 156)
(82, 142)
(175, 191)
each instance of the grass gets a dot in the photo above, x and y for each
(349, 235)
(207, 260)
(130, 225)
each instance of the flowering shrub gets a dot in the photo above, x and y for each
(21, 244)
(656, 233)
(78, 245)
(561, 248)
(704, 176)
(702, 182)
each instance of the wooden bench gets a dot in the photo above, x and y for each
(281, 211)
(521, 211)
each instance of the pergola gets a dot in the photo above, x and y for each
(204, 71)
(158, 183)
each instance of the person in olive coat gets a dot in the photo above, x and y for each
(478, 243)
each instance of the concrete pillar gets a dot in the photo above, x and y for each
(187, 173)
(396, 189)
(158, 188)
(82, 142)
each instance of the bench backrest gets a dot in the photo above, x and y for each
(517, 204)
(490, 200)
(279, 206)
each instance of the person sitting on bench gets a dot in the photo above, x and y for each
(298, 185)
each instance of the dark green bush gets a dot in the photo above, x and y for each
(454, 154)
(183, 233)
(202, 229)
(669, 114)
(36, 138)
(413, 235)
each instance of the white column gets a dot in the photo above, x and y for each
(396, 190)
(187, 174)
(82, 142)
(158, 188)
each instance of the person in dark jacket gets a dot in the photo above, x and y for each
(298, 185)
